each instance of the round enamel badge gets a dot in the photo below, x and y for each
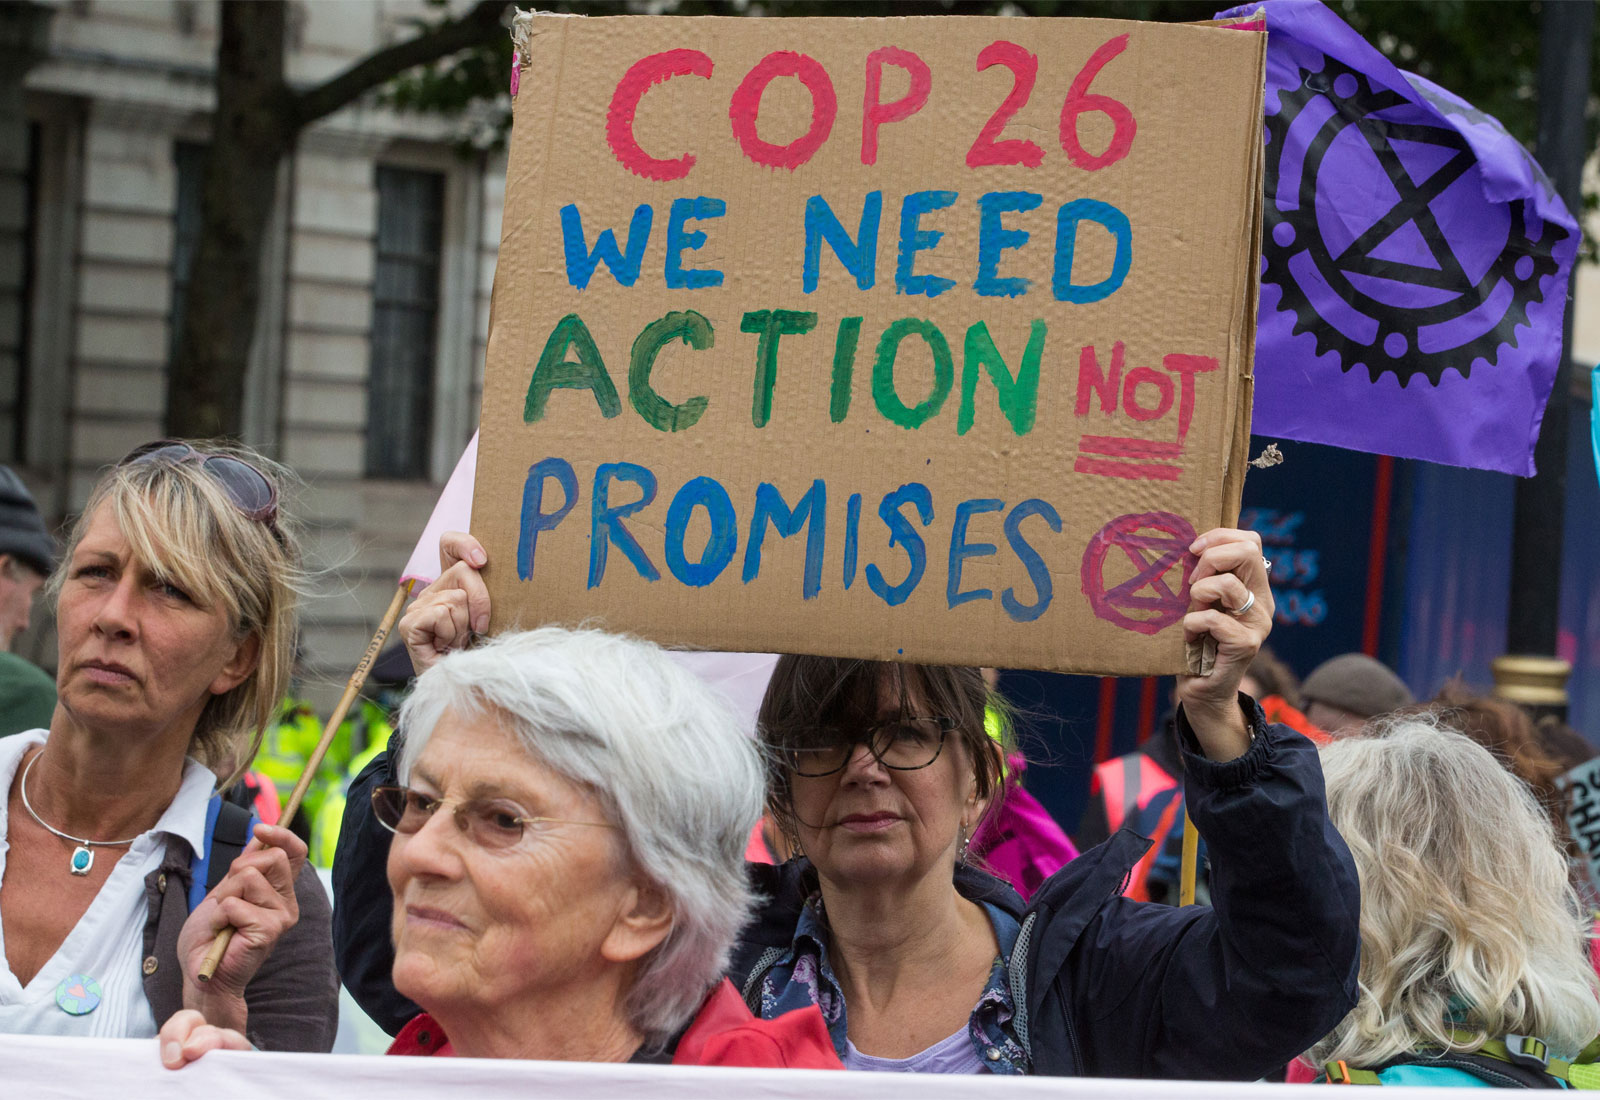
(78, 995)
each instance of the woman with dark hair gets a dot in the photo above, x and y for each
(879, 775)
(1273, 684)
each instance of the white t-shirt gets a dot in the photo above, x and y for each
(107, 945)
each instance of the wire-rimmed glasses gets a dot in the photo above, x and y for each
(490, 822)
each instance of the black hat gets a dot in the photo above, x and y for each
(22, 530)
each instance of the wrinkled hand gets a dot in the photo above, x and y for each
(187, 1036)
(447, 613)
(256, 897)
(1231, 567)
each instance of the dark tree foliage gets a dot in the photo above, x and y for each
(258, 119)
(1488, 53)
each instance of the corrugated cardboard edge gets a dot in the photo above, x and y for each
(1202, 654)
(528, 30)
(1245, 354)
(523, 26)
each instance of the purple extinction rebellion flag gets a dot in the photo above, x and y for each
(1414, 259)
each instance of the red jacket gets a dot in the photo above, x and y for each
(1277, 709)
(724, 1033)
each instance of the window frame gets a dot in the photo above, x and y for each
(455, 330)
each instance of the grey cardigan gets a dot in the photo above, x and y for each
(293, 1000)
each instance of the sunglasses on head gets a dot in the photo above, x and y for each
(246, 487)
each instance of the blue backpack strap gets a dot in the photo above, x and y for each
(228, 829)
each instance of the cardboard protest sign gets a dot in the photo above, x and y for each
(1582, 788)
(924, 339)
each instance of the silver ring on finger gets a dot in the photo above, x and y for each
(1244, 608)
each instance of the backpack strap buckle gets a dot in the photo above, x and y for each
(1528, 1051)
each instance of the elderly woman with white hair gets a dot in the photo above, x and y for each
(569, 827)
(1474, 967)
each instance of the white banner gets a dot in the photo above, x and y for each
(54, 1068)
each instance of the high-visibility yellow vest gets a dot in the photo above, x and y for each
(288, 745)
(330, 815)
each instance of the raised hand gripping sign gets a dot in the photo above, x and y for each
(922, 339)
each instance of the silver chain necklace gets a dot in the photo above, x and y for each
(83, 855)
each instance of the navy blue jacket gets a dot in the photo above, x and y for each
(1112, 987)
(363, 906)
(1120, 988)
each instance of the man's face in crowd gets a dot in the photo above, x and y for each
(18, 585)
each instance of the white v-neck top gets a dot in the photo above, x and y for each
(107, 944)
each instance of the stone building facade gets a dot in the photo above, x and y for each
(367, 363)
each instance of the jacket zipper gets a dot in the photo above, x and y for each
(1072, 1037)
(1017, 979)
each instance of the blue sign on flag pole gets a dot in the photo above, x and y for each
(1594, 416)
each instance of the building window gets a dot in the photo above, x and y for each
(405, 316)
(189, 158)
(17, 283)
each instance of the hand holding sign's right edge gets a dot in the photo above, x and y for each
(453, 608)
(1230, 574)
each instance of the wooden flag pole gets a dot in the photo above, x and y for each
(1191, 856)
(351, 689)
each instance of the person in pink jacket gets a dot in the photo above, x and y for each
(1019, 842)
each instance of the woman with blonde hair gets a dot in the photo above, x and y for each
(1474, 966)
(175, 608)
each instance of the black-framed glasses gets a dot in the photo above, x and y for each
(904, 744)
(490, 822)
(250, 490)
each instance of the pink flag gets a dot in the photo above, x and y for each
(452, 513)
(741, 678)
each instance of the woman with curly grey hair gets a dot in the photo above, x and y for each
(1474, 967)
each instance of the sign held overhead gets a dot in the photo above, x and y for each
(923, 339)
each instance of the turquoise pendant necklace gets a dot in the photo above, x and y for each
(82, 858)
